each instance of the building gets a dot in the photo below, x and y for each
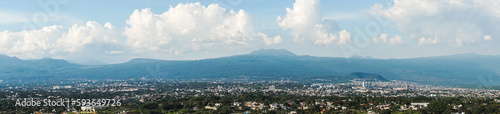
(91, 108)
(419, 105)
(217, 105)
(367, 85)
(272, 88)
(61, 87)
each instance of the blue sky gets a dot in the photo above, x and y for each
(115, 31)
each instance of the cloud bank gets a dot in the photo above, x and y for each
(56, 41)
(183, 28)
(383, 38)
(306, 24)
(192, 26)
(448, 22)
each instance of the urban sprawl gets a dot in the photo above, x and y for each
(169, 96)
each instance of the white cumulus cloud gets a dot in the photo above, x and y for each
(344, 37)
(270, 41)
(77, 37)
(427, 41)
(192, 26)
(450, 22)
(487, 37)
(79, 41)
(397, 40)
(185, 27)
(383, 38)
(306, 24)
(34, 43)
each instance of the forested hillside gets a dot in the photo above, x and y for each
(464, 69)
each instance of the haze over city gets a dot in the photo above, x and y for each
(250, 56)
(116, 32)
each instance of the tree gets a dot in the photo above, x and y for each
(438, 107)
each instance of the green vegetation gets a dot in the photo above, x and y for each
(292, 103)
(465, 70)
(365, 76)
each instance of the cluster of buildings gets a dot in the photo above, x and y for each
(152, 89)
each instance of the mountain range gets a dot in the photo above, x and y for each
(364, 76)
(463, 69)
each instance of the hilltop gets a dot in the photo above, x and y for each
(365, 76)
(271, 64)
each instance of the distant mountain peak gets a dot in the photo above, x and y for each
(89, 62)
(362, 57)
(141, 60)
(471, 54)
(273, 52)
(365, 76)
(46, 57)
(5, 57)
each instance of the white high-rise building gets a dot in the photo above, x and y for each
(367, 85)
(272, 88)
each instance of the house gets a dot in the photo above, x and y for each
(420, 105)
(236, 103)
(91, 108)
(217, 105)
(344, 108)
(384, 107)
(211, 107)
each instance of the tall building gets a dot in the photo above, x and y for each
(272, 88)
(367, 85)
(407, 87)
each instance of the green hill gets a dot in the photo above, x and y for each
(463, 69)
(365, 76)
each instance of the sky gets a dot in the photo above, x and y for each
(114, 31)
